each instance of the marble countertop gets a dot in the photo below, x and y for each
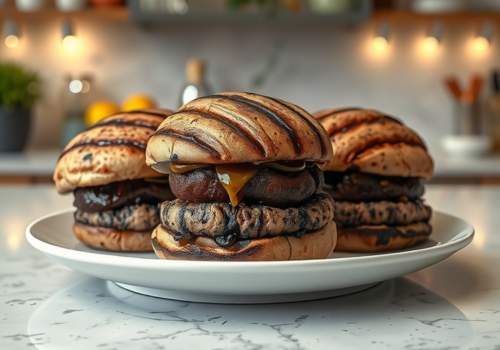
(452, 305)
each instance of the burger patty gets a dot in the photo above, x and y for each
(141, 217)
(119, 194)
(383, 212)
(268, 186)
(227, 224)
(367, 187)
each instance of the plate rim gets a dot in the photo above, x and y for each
(459, 241)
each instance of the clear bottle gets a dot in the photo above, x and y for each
(196, 85)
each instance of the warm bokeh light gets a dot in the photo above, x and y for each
(70, 43)
(15, 233)
(478, 46)
(378, 48)
(428, 47)
(380, 44)
(11, 41)
(75, 86)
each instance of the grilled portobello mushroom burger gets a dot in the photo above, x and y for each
(377, 180)
(244, 170)
(116, 194)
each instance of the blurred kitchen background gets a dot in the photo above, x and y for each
(433, 63)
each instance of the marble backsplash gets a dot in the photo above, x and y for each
(315, 66)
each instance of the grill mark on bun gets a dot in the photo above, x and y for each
(382, 119)
(369, 146)
(233, 126)
(301, 114)
(157, 114)
(192, 250)
(105, 143)
(271, 116)
(327, 113)
(190, 139)
(124, 122)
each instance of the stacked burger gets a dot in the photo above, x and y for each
(244, 171)
(116, 194)
(377, 180)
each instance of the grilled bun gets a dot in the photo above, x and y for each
(106, 238)
(236, 127)
(313, 245)
(111, 150)
(370, 141)
(377, 238)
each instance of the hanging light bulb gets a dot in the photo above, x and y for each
(480, 44)
(381, 39)
(11, 34)
(429, 45)
(378, 47)
(434, 36)
(70, 41)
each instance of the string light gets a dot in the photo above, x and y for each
(11, 34)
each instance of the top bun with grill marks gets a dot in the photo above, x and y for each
(236, 127)
(109, 151)
(370, 141)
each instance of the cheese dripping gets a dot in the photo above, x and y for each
(233, 178)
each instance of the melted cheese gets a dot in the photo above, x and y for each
(233, 178)
(185, 168)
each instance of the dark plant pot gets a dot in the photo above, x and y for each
(14, 128)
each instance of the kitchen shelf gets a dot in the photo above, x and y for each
(220, 14)
(112, 13)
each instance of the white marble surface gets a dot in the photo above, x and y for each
(453, 305)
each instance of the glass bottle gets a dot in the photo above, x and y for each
(196, 84)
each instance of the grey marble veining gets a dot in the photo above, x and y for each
(453, 305)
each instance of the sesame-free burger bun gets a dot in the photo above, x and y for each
(318, 244)
(237, 127)
(369, 141)
(111, 150)
(108, 238)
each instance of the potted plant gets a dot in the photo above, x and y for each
(19, 90)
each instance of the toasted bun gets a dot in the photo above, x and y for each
(370, 141)
(111, 150)
(236, 127)
(112, 239)
(314, 245)
(378, 238)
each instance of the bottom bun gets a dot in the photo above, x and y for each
(313, 245)
(378, 238)
(113, 239)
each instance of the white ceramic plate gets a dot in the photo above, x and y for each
(244, 282)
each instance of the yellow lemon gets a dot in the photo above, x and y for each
(100, 110)
(138, 102)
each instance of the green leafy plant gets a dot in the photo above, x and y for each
(19, 87)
